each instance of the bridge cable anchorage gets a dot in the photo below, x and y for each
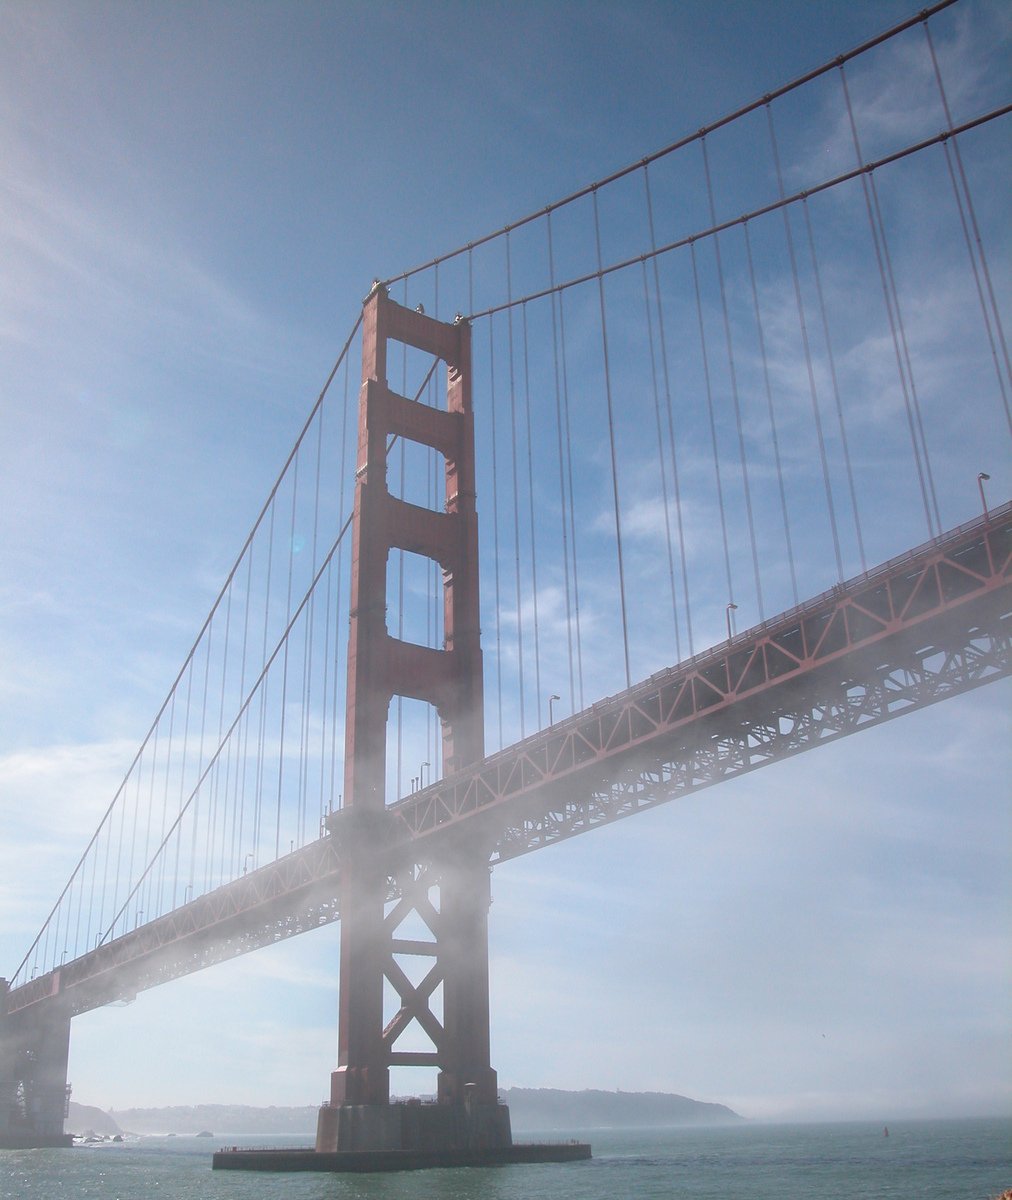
(611, 444)
(976, 241)
(877, 235)
(831, 360)
(710, 411)
(735, 399)
(922, 16)
(774, 435)
(803, 327)
(668, 427)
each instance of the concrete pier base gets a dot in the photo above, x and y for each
(356, 1128)
(407, 1136)
(364, 1161)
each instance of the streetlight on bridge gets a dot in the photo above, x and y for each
(551, 711)
(732, 607)
(982, 477)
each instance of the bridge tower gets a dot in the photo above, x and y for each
(446, 897)
(34, 1093)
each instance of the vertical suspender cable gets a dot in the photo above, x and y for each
(240, 775)
(845, 445)
(660, 462)
(399, 789)
(743, 457)
(713, 422)
(516, 490)
(1002, 390)
(495, 529)
(221, 726)
(662, 334)
(813, 391)
(773, 422)
(308, 659)
(889, 308)
(200, 751)
(197, 808)
(563, 507)
(431, 742)
(262, 733)
(338, 641)
(572, 503)
(182, 786)
(977, 240)
(530, 507)
(284, 667)
(901, 326)
(611, 443)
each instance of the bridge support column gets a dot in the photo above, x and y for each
(34, 1052)
(454, 927)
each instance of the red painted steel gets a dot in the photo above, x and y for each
(381, 666)
(922, 627)
(955, 591)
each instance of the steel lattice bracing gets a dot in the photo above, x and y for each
(929, 625)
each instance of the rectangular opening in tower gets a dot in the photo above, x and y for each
(415, 599)
(414, 747)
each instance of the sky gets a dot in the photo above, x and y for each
(194, 200)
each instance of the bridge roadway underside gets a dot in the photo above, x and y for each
(932, 624)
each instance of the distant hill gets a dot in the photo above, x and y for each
(220, 1119)
(531, 1109)
(85, 1119)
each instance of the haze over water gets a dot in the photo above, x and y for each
(929, 1160)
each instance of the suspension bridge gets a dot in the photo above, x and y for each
(711, 431)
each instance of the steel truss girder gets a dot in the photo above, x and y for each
(936, 598)
(553, 785)
(289, 896)
(727, 747)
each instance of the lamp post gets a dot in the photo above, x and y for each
(981, 477)
(732, 607)
(551, 710)
(421, 773)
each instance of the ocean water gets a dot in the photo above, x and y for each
(920, 1160)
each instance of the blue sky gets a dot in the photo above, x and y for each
(194, 200)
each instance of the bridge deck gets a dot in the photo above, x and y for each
(924, 626)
